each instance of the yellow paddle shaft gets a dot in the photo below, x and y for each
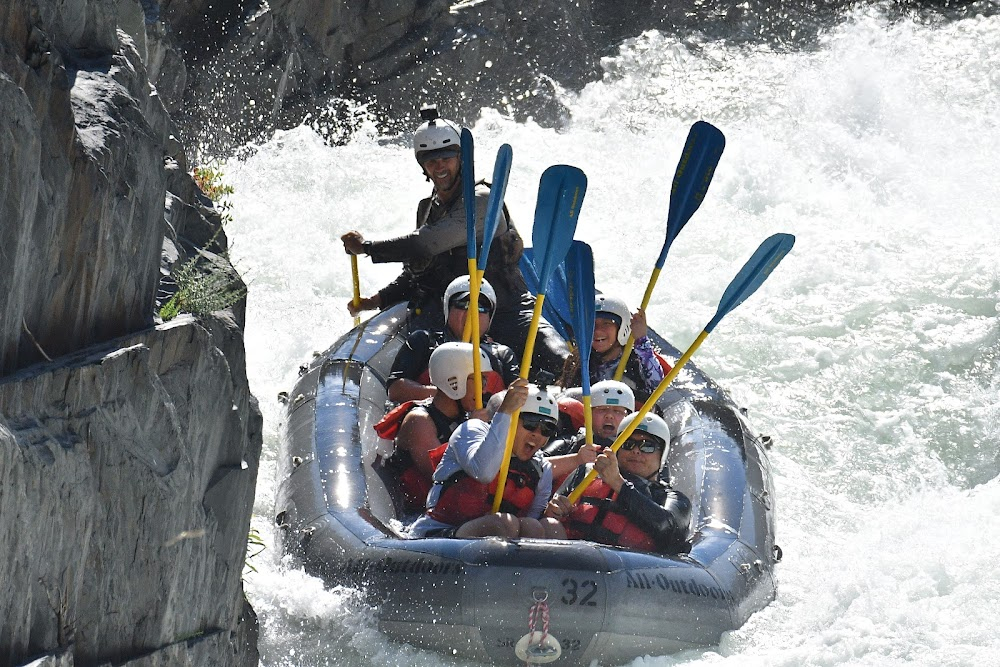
(574, 496)
(472, 326)
(357, 287)
(529, 350)
(620, 371)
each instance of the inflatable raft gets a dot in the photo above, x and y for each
(337, 514)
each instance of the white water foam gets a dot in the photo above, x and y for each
(871, 354)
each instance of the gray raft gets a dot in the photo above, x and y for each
(337, 515)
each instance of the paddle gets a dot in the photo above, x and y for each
(699, 158)
(556, 308)
(494, 206)
(472, 314)
(746, 282)
(357, 287)
(560, 196)
(580, 279)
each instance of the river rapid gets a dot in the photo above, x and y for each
(871, 355)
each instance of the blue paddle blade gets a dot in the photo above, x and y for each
(556, 307)
(753, 274)
(469, 192)
(700, 157)
(580, 278)
(560, 196)
(501, 170)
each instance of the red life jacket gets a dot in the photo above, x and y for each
(463, 498)
(594, 519)
(414, 484)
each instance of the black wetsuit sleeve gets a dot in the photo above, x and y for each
(509, 368)
(666, 521)
(429, 240)
(398, 290)
(412, 358)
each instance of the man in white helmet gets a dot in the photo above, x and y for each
(409, 379)
(434, 253)
(630, 504)
(420, 429)
(461, 502)
(610, 402)
(613, 322)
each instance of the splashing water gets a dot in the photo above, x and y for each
(871, 354)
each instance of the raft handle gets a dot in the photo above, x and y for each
(778, 553)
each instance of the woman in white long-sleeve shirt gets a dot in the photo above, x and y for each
(460, 502)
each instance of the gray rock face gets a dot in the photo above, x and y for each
(81, 187)
(128, 451)
(269, 65)
(128, 473)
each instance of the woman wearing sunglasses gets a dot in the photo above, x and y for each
(629, 505)
(460, 502)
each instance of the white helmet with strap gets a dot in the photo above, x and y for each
(618, 310)
(460, 287)
(451, 365)
(612, 393)
(437, 137)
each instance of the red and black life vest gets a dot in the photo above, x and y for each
(595, 519)
(464, 499)
(414, 484)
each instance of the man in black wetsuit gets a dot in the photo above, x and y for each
(409, 379)
(434, 253)
(629, 505)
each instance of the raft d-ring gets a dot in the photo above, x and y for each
(539, 594)
(778, 553)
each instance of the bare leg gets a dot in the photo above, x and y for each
(500, 525)
(553, 529)
(531, 528)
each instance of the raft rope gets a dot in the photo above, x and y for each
(539, 612)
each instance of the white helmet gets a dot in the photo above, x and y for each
(619, 311)
(436, 134)
(541, 402)
(460, 287)
(614, 393)
(652, 425)
(451, 365)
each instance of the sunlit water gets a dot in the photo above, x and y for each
(871, 354)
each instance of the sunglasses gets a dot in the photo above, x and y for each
(463, 304)
(534, 423)
(644, 446)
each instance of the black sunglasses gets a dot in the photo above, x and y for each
(644, 446)
(532, 422)
(463, 304)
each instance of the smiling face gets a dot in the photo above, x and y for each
(605, 336)
(443, 172)
(637, 462)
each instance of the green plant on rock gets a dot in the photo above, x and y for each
(255, 546)
(210, 180)
(203, 287)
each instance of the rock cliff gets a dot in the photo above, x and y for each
(232, 71)
(128, 447)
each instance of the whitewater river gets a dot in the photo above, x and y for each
(871, 355)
